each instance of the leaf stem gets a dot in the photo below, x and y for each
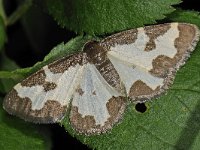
(2, 12)
(16, 15)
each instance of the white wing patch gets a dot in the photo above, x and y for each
(133, 63)
(96, 93)
(130, 74)
(134, 53)
(66, 83)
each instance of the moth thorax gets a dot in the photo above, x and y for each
(95, 53)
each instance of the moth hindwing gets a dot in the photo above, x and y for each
(92, 85)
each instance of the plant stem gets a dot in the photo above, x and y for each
(19, 12)
(2, 13)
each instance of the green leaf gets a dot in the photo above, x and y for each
(170, 122)
(185, 16)
(15, 134)
(105, 16)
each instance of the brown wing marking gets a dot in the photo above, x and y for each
(22, 107)
(87, 125)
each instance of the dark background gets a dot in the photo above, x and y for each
(26, 50)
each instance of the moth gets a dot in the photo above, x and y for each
(93, 85)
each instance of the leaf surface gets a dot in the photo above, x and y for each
(100, 17)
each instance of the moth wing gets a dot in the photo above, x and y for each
(146, 59)
(96, 106)
(44, 96)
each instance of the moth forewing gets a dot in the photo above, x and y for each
(155, 54)
(44, 96)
